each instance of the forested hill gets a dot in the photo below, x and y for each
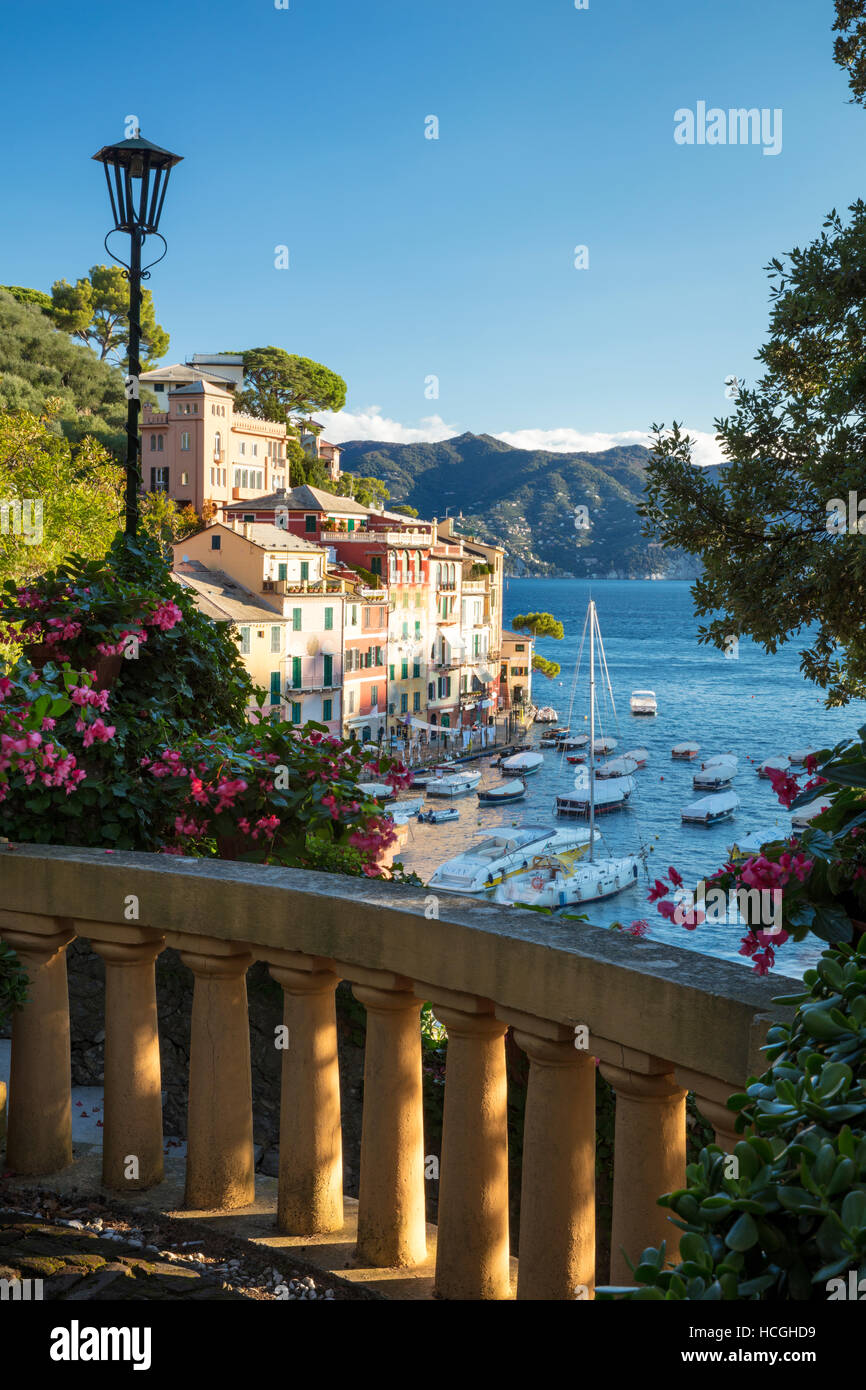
(526, 499)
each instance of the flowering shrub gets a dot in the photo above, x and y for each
(811, 882)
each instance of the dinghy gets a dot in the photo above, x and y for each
(438, 814)
(550, 883)
(506, 851)
(616, 767)
(709, 810)
(514, 790)
(609, 795)
(552, 736)
(401, 812)
(637, 755)
(571, 741)
(455, 784)
(375, 789)
(684, 752)
(751, 842)
(546, 715)
(522, 764)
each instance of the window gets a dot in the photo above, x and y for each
(184, 478)
(327, 710)
(406, 600)
(283, 573)
(404, 703)
(249, 516)
(255, 450)
(153, 443)
(405, 632)
(159, 480)
(309, 524)
(391, 671)
(329, 619)
(354, 615)
(376, 565)
(416, 701)
(242, 448)
(160, 440)
(275, 687)
(184, 439)
(245, 641)
(275, 639)
(351, 702)
(446, 721)
(328, 665)
(431, 691)
(296, 613)
(416, 669)
(417, 630)
(236, 478)
(520, 647)
(195, 410)
(305, 570)
(217, 445)
(374, 695)
(245, 478)
(216, 542)
(296, 672)
(404, 671)
(296, 713)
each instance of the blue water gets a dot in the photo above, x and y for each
(755, 706)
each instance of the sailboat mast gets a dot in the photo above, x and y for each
(591, 729)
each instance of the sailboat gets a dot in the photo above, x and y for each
(551, 882)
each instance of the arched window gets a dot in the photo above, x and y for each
(217, 444)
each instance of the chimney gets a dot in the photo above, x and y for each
(248, 530)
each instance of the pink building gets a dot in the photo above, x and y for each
(201, 451)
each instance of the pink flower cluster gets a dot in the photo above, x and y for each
(764, 873)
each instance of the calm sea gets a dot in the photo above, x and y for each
(755, 706)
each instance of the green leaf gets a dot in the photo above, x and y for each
(743, 1234)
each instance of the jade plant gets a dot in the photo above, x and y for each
(784, 1216)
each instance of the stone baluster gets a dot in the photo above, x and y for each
(649, 1157)
(557, 1195)
(310, 1194)
(219, 1166)
(39, 1136)
(132, 1134)
(711, 1096)
(472, 1255)
(391, 1207)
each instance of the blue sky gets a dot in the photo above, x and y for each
(454, 258)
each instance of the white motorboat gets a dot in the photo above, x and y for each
(375, 789)
(608, 795)
(546, 715)
(503, 852)
(430, 774)
(802, 818)
(774, 765)
(715, 775)
(552, 736)
(551, 883)
(637, 755)
(437, 814)
(623, 766)
(454, 784)
(709, 810)
(721, 758)
(684, 752)
(513, 790)
(401, 812)
(643, 702)
(569, 742)
(522, 764)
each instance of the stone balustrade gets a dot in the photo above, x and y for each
(659, 1020)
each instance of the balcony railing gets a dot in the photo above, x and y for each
(661, 1020)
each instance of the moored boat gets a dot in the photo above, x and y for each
(506, 851)
(454, 784)
(799, 755)
(769, 765)
(715, 775)
(623, 766)
(553, 735)
(437, 814)
(684, 752)
(751, 842)
(546, 715)
(401, 812)
(643, 702)
(709, 810)
(513, 790)
(806, 814)
(637, 755)
(551, 883)
(608, 795)
(522, 764)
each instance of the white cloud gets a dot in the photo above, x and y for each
(370, 424)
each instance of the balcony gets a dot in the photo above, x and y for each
(474, 586)
(661, 1020)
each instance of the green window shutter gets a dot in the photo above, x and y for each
(296, 713)
(329, 619)
(275, 687)
(404, 671)
(416, 700)
(282, 571)
(416, 669)
(404, 702)
(391, 670)
(245, 641)
(309, 524)
(296, 619)
(305, 569)
(329, 669)
(275, 639)
(327, 710)
(296, 671)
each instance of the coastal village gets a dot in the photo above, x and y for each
(366, 620)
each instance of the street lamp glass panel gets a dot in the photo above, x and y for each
(137, 175)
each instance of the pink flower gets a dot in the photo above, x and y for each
(675, 878)
(639, 927)
(658, 890)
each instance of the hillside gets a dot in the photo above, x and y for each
(525, 500)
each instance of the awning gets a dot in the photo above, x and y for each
(451, 633)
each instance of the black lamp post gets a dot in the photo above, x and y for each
(137, 175)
